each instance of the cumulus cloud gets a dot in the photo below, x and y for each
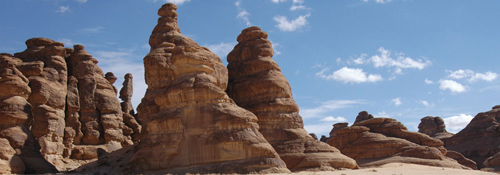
(326, 107)
(334, 119)
(63, 9)
(81, 1)
(242, 13)
(67, 42)
(399, 61)
(278, 1)
(221, 49)
(350, 75)
(456, 123)
(453, 86)
(289, 26)
(397, 101)
(319, 129)
(471, 76)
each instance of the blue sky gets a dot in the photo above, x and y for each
(404, 59)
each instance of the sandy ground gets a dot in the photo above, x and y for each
(400, 169)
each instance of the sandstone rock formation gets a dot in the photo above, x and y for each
(434, 127)
(461, 159)
(377, 141)
(363, 115)
(190, 124)
(127, 108)
(257, 84)
(19, 151)
(338, 126)
(492, 163)
(314, 136)
(480, 139)
(45, 67)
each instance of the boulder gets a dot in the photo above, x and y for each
(189, 122)
(461, 159)
(257, 84)
(378, 141)
(434, 127)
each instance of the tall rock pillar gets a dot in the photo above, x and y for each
(257, 84)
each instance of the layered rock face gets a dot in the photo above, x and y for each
(480, 139)
(257, 84)
(19, 151)
(127, 108)
(190, 124)
(434, 127)
(377, 141)
(45, 66)
(75, 109)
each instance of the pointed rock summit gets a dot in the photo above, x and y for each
(189, 122)
(257, 84)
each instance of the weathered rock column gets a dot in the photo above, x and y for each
(48, 81)
(257, 84)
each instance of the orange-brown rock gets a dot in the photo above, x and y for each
(377, 141)
(257, 84)
(99, 110)
(48, 93)
(434, 127)
(461, 159)
(128, 109)
(480, 139)
(189, 122)
(492, 163)
(363, 115)
(19, 151)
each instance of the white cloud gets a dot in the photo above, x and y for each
(177, 2)
(456, 123)
(334, 119)
(81, 1)
(397, 101)
(379, 1)
(427, 81)
(319, 129)
(289, 26)
(278, 1)
(453, 86)
(221, 49)
(385, 59)
(382, 114)
(91, 30)
(242, 13)
(63, 9)
(298, 7)
(328, 106)
(350, 75)
(275, 48)
(471, 76)
(67, 42)
(426, 103)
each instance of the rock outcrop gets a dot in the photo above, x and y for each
(492, 163)
(257, 84)
(461, 159)
(189, 122)
(19, 151)
(127, 108)
(45, 66)
(480, 139)
(377, 141)
(434, 127)
(363, 115)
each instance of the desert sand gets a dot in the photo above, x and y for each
(398, 169)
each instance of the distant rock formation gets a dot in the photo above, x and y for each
(363, 115)
(337, 127)
(378, 141)
(127, 108)
(434, 127)
(480, 139)
(257, 84)
(189, 122)
(314, 136)
(19, 151)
